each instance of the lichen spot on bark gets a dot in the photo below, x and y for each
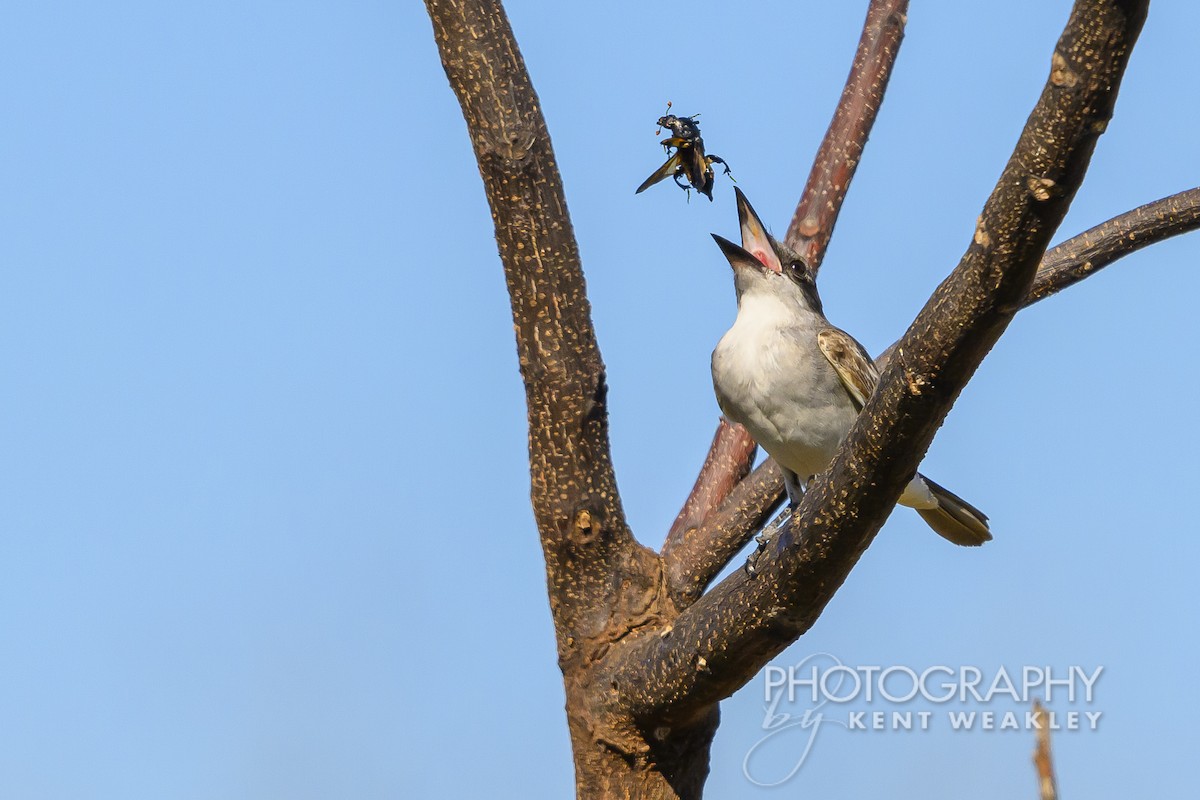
(981, 236)
(1061, 74)
(916, 381)
(1042, 189)
(586, 527)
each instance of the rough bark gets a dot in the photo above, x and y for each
(601, 582)
(696, 560)
(644, 661)
(1082, 256)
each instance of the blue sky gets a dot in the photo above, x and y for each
(264, 518)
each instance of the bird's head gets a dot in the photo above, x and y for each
(761, 265)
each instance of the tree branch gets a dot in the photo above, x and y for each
(724, 639)
(1086, 254)
(1082, 256)
(1064, 265)
(729, 459)
(1042, 762)
(817, 212)
(842, 148)
(574, 492)
(693, 560)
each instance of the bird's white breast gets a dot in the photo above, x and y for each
(770, 375)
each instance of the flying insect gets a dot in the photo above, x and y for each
(688, 159)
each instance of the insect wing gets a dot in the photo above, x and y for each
(662, 173)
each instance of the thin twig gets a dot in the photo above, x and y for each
(1047, 785)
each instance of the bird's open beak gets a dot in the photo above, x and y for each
(755, 239)
(738, 257)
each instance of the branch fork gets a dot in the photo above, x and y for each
(646, 648)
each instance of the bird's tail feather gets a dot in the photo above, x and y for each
(954, 518)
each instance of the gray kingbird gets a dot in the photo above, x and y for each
(797, 383)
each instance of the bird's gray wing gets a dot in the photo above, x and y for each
(850, 360)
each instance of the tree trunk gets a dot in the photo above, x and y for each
(647, 654)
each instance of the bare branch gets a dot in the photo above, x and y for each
(694, 559)
(842, 148)
(817, 212)
(729, 459)
(1084, 255)
(1062, 266)
(1047, 785)
(724, 638)
(583, 530)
